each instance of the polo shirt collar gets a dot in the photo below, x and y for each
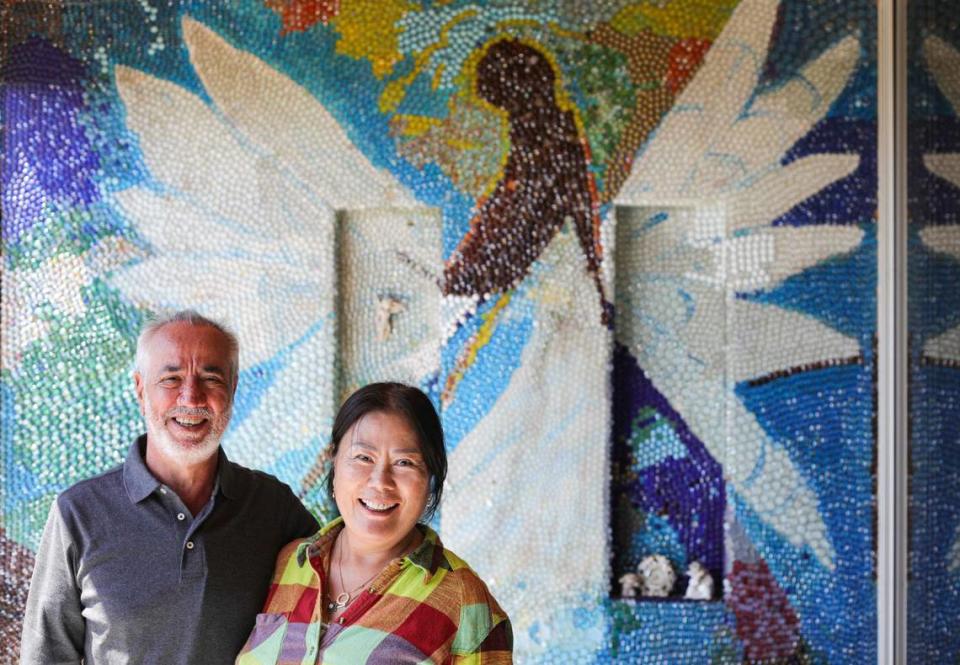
(140, 483)
(137, 479)
(428, 556)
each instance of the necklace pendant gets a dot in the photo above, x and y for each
(342, 599)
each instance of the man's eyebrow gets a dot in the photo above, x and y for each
(210, 369)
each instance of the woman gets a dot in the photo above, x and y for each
(376, 585)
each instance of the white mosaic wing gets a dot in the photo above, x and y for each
(243, 191)
(769, 340)
(233, 236)
(766, 257)
(943, 61)
(685, 355)
(188, 150)
(709, 104)
(229, 209)
(781, 116)
(763, 201)
(284, 120)
(683, 316)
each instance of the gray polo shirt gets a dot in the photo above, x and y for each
(125, 574)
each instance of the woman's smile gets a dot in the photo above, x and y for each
(377, 506)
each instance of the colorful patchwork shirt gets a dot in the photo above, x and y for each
(428, 607)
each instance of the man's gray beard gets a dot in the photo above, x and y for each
(190, 454)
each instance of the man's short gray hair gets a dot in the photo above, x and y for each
(193, 318)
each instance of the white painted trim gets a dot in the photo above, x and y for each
(892, 404)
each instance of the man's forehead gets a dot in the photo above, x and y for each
(185, 339)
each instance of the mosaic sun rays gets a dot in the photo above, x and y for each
(628, 247)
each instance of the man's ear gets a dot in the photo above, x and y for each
(138, 387)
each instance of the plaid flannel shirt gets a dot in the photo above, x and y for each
(428, 607)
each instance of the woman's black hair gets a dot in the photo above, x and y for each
(413, 406)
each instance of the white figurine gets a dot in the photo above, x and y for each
(658, 576)
(629, 585)
(387, 307)
(700, 586)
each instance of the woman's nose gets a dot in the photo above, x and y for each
(381, 475)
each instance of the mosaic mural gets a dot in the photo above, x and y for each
(628, 247)
(933, 184)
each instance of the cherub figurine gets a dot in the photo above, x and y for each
(700, 586)
(630, 583)
(658, 576)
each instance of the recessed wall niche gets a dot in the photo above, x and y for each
(671, 355)
(388, 301)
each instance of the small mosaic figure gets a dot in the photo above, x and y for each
(700, 586)
(630, 583)
(387, 307)
(658, 576)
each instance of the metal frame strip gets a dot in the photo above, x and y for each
(892, 352)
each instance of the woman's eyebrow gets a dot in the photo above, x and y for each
(368, 446)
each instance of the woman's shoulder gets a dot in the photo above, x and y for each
(299, 549)
(472, 588)
(454, 562)
(290, 561)
(482, 625)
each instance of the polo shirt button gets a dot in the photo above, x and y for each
(181, 516)
(189, 544)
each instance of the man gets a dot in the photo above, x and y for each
(166, 559)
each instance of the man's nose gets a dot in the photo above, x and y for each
(192, 393)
